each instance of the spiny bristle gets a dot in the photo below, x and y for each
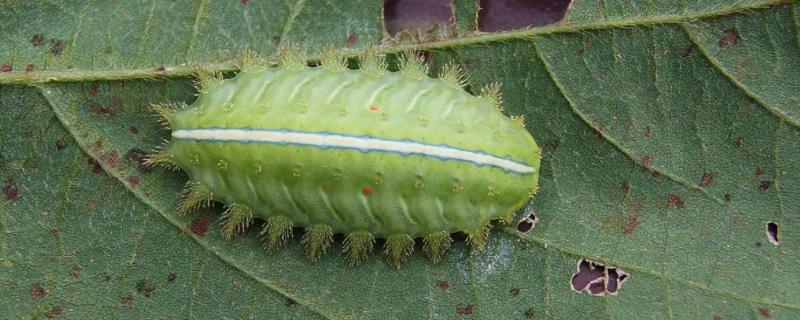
(492, 93)
(235, 219)
(452, 75)
(477, 238)
(357, 246)
(372, 63)
(291, 58)
(397, 248)
(317, 239)
(519, 120)
(166, 112)
(276, 231)
(207, 80)
(332, 59)
(533, 190)
(413, 66)
(195, 195)
(251, 61)
(436, 244)
(161, 157)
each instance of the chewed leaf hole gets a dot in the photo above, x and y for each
(528, 223)
(596, 279)
(505, 15)
(773, 233)
(417, 16)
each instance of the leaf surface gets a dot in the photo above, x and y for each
(670, 133)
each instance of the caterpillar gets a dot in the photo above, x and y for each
(366, 153)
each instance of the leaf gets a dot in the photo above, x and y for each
(670, 133)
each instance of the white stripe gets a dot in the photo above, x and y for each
(329, 140)
(414, 100)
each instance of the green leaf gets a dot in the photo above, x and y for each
(670, 132)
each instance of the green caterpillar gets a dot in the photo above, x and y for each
(365, 153)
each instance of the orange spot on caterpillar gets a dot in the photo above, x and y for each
(367, 191)
(374, 108)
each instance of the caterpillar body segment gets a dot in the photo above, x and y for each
(365, 153)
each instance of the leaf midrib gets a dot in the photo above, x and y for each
(74, 75)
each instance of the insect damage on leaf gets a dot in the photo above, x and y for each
(597, 279)
(366, 153)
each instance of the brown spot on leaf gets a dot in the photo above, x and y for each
(759, 172)
(244, 2)
(133, 130)
(107, 111)
(6, 67)
(598, 130)
(30, 68)
(529, 313)
(765, 184)
(171, 277)
(128, 301)
(75, 272)
(55, 312)
(199, 226)
(688, 50)
(675, 200)
(161, 69)
(30, 163)
(96, 167)
(645, 161)
(145, 288)
(98, 144)
(290, 302)
(706, 179)
(138, 158)
(94, 89)
(10, 190)
(61, 144)
(110, 158)
(443, 284)
(37, 292)
(367, 191)
(514, 292)
(738, 142)
(37, 40)
(729, 38)
(630, 224)
(646, 132)
(624, 185)
(133, 181)
(56, 46)
(351, 40)
(764, 312)
(464, 310)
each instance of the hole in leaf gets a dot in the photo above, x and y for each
(528, 223)
(504, 15)
(596, 279)
(416, 16)
(772, 233)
